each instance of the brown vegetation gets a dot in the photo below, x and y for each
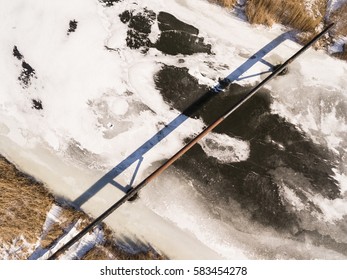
(302, 15)
(225, 3)
(24, 203)
(67, 218)
(343, 54)
(111, 251)
(340, 18)
(292, 13)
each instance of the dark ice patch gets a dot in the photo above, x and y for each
(178, 37)
(26, 75)
(137, 40)
(142, 22)
(177, 42)
(72, 26)
(168, 22)
(125, 16)
(17, 54)
(27, 72)
(275, 146)
(109, 3)
(180, 88)
(37, 104)
(140, 25)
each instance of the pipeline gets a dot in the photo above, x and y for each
(129, 195)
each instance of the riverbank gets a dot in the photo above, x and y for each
(308, 17)
(33, 221)
(92, 118)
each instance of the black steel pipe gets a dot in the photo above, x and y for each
(187, 147)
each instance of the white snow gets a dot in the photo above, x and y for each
(291, 198)
(79, 248)
(75, 252)
(90, 97)
(342, 179)
(224, 148)
(52, 217)
(16, 249)
(333, 210)
(309, 6)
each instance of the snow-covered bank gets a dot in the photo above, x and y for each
(131, 221)
(89, 101)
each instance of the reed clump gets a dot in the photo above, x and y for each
(292, 13)
(24, 203)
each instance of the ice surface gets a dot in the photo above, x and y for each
(224, 148)
(100, 104)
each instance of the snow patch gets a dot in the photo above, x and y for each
(80, 248)
(332, 210)
(15, 250)
(342, 179)
(291, 198)
(225, 148)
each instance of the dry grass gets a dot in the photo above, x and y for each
(303, 15)
(318, 8)
(24, 203)
(340, 18)
(291, 13)
(113, 252)
(225, 3)
(55, 232)
(67, 218)
(109, 250)
(343, 54)
(113, 249)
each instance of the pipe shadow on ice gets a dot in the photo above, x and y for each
(138, 155)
